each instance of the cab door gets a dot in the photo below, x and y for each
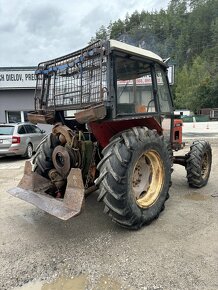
(164, 100)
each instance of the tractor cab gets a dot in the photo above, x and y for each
(110, 82)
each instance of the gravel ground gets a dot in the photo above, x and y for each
(177, 251)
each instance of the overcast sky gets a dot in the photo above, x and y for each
(34, 31)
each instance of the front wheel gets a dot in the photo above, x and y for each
(135, 175)
(198, 164)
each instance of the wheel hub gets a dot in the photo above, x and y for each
(29, 149)
(148, 178)
(61, 161)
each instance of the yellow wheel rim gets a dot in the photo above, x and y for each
(148, 178)
(205, 166)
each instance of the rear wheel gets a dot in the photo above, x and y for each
(198, 164)
(135, 175)
(29, 151)
(42, 160)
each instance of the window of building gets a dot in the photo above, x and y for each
(13, 116)
(16, 116)
(25, 116)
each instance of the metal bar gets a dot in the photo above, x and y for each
(181, 160)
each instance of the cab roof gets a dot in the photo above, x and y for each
(63, 62)
(121, 46)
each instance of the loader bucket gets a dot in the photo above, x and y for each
(32, 189)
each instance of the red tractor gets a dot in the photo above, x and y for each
(114, 130)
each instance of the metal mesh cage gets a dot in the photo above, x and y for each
(77, 80)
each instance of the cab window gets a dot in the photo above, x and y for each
(134, 86)
(163, 91)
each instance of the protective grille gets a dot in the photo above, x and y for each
(72, 81)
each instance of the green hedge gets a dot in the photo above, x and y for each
(198, 118)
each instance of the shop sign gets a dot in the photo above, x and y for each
(19, 79)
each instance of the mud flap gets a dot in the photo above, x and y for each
(32, 189)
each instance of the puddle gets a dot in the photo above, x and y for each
(106, 283)
(196, 196)
(76, 283)
(62, 283)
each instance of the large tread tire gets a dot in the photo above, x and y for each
(198, 164)
(170, 152)
(42, 161)
(117, 174)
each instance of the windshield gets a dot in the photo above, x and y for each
(6, 130)
(134, 86)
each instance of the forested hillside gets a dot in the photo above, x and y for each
(187, 32)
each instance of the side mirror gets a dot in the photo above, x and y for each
(42, 131)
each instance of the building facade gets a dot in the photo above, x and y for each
(17, 87)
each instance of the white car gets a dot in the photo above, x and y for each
(19, 139)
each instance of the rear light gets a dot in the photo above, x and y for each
(15, 140)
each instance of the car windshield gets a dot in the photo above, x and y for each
(6, 130)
